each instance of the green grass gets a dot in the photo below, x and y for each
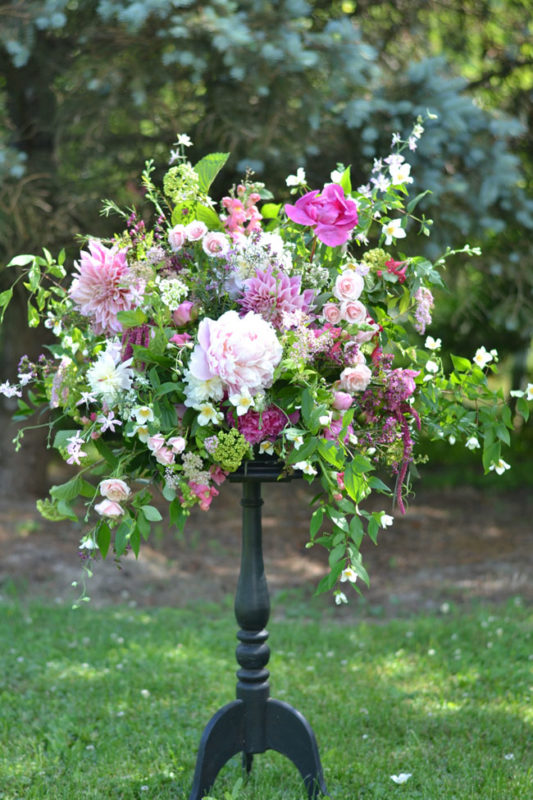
(111, 703)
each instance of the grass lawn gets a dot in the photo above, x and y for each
(107, 704)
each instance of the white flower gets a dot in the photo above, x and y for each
(518, 392)
(403, 777)
(432, 344)
(386, 520)
(509, 756)
(143, 414)
(108, 376)
(432, 366)
(418, 130)
(266, 447)
(452, 439)
(306, 467)
(348, 574)
(336, 176)
(381, 183)
(400, 173)
(472, 443)
(88, 543)
(482, 358)
(184, 140)
(297, 180)
(142, 432)
(500, 467)
(208, 414)
(529, 391)
(393, 230)
(340, 597)
(242, 401)
(9, 391)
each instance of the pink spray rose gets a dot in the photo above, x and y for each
(177, 237)
(355, 379)
(115, 489)
(342, 401)
(108, 508)
(353, 312)
(332, 215)
(215, 244)
(156, 442)
(242, 351)
(195, 230)
(165, 456)
(332, 313)
(183, 313)
(177, 443)
(348, 285)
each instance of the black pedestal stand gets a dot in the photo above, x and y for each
(255, 722)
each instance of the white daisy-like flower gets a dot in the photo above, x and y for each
(482, 358)
(208, 414)
(393, 230)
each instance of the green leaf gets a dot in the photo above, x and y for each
(460, 364)
(135, 541)
(33, 316)
(208, 168)
(373, 528)
(21, 261)
(346, 181)
(209, 217)
(307, 406)
(132, 319)
(103, 538)
(522, 406)
(151, 513)
(5, 299)
(178, 514)
(143, 526)
(337, 554)
(317, 517)
(356, 530)
(121, 536)
(303, 452)
(491, 454)
(270, 210)
(330, 452)
(105, 452)
(337, 518)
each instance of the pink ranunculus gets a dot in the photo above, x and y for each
(115, 489)
(353, 312)
(177, 443)
(215, 244)
(165, 456)
(332, 313)
(195, 230)
(348, 285)
(177, 237)
(155, 442)
(355, 379)
(242, 351)
(108, 508)
(183, 313)
(342, 401)
(332, 215)
(180, 339)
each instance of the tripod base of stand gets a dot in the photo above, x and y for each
(283, 729)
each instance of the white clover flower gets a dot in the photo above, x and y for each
(393, 230)
(348, 574)
(482, 358)
(403, 777)
(499, 467)
(432, 344)
(472, 443)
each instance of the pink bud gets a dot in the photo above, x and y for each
(183, 313)
(342, 401)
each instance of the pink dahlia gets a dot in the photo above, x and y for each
(273, 294)
(103, 287)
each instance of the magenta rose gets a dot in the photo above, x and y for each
(332, 215)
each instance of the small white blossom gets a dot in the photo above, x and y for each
(432, 344)
(336, 176)
(208, 414)
(297, 180)
(306, 467)
(9, 391)
(403, 777)
(529, 391)
(472, 443)
(499, 467)
(482, 358)
(266, 447)
(143, 414)
(393, 230)
(348, 574)
(386, 520)
(184, 140)
(242, 401)
(432, 366)
(340, 597)
(400, 173)
(452, 439)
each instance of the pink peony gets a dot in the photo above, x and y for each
(274, 294)
(242, 351)
(348, 285)
(104, 286)
(108, 508)
(115, 489)
(355, 379)
(332, 215)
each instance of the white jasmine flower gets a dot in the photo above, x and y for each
(393, 230)
(208, 414)
(348, 574)
(400, 173)
(452, 439)
(266, 447)
(306, 467)
(386, 520)
(500, 467)
(143, 414)
(242, 401)
(340, 597)
(432, 344)
(482, 358)
(472, 443)
(403, 777)
(297, 180)
(432, 366)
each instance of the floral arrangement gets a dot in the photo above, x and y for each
(188, 345)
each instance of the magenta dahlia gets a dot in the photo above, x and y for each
(104, 286)
(272, 294)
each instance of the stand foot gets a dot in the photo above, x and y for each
(223, 737)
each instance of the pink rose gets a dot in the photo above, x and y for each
(332, 215)
(164, 455)
(156, 442)
(180, 339)
(115, 489)
(353, 312)
(215, 244)
(242, 351)
(195, 230)
(332, 313)
(355, 379)
(183, 313)
(177, 443)
(342, 401)
(108, 508)
(348, 286)
(177, 237)
(365, 336)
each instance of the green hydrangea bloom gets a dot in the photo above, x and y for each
(181, 183)
(231, 449)
(376, 258)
